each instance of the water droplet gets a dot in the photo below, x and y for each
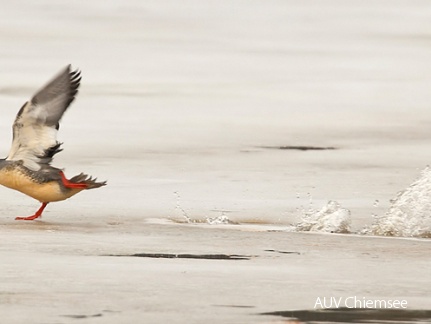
(181, 209)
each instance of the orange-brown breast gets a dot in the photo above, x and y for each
(44, 192)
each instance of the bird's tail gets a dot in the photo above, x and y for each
(86, 181)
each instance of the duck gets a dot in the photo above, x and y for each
(27, 168)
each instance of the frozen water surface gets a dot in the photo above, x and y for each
(215, 101)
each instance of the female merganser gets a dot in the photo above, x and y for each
(27, 167)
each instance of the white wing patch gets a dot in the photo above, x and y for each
(31, 138)
(35, 126)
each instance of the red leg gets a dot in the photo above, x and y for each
(71, 185)
(36, 215)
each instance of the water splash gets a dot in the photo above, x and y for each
(219, 220)
(332, 218)
(181, 209)
(410, 212)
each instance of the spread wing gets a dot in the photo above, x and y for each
(36, 124)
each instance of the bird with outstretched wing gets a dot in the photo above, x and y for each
(27, 168)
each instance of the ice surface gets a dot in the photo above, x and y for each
(193, 97)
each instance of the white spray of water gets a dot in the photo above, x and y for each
(218, 220)
(410, 212)
(332, 218)
(181, 209)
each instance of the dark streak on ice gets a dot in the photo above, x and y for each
(356, 315)
(300, 148)
(186, 256)
(82, 316)
(282, 252)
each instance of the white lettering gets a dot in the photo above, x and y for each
(346, 302)
(337, 303)
(380, 302)
(358, 302)
(318, 302)
(324, 303)
(369, 303)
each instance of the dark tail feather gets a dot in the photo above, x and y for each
(87, 180)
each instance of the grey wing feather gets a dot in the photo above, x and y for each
(57, 95)
(36, 124)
